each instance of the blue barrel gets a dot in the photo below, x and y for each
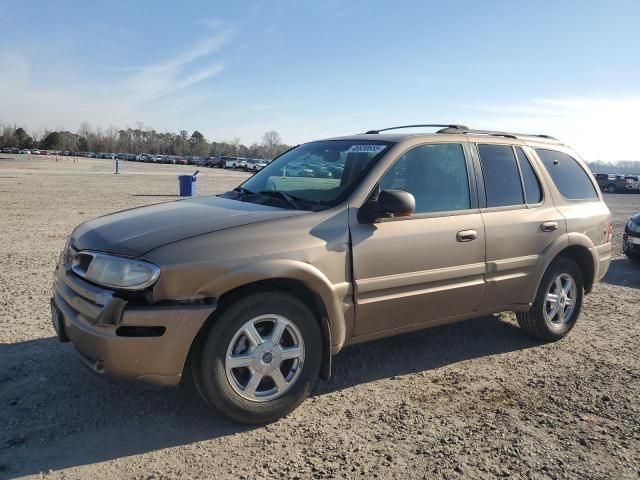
(187, 185)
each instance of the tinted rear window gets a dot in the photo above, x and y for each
(532, 191)
(570, 178)
(501, 176)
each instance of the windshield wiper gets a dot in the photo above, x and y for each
(284, 196)
(243, 192)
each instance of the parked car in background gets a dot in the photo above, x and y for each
(606, 182)
(7, 150)
(255, 164)
(626, 183)
(213, 162)
(296, 169)
(233, 162)
(25, 151)
(182, 161)
(631, 238)
(635, 182)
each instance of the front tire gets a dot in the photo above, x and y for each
(261, 358)
(558, 302)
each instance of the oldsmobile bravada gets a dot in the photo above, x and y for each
(335, 242)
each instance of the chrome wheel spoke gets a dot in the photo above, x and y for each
(552, 298)
(252, 334)
(253, 384)
(561, 314)
(568, 286)
(239, 361)
(569, 302)
(278, 379)
(553, 312)
(291, 352)
(558, 285)
(278, 330)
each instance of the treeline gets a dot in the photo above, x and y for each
(622, 166)
(139, 140)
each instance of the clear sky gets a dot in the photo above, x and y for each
(324, 68)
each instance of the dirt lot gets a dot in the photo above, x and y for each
(476, 399)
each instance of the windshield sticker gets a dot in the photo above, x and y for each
(372, 148)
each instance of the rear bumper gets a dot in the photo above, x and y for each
(602, 256)
(100, 327)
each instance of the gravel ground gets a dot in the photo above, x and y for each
(476, 399)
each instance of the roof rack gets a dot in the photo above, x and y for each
(463, 129)
(435, 125)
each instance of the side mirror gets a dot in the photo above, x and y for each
(390, 204)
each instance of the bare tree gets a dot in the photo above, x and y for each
(271, 140)
(235, 145)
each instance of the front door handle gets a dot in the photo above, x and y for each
(466, 235)
(549, 226)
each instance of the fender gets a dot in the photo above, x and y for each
(561, 243)
(335, 297)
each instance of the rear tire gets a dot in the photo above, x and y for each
(276, 371)
(558, 302)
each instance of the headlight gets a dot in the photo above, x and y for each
(115, 272)
(633, 227)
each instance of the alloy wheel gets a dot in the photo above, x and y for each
(560, 300)
(264, 358)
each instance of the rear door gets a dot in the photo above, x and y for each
(430, 266)
(521, 222)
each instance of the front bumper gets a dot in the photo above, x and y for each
(631, 242)
(148, 344)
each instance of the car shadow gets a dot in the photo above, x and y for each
(623, 273)
(59, 416)
(424, 350)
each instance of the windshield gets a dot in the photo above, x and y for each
(314, 175)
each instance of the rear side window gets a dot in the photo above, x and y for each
(570, 178)
(532, 191)
(501, 176)
(436, 175)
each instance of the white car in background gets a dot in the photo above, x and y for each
(25, 151)
(236, 163)
(256, 164)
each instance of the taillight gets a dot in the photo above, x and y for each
(610, 233)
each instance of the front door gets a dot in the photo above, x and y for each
(427, 267)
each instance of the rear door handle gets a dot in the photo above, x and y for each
(466, 235)
(549, 226)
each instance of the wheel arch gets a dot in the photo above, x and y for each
(580, 249)
(299, 279)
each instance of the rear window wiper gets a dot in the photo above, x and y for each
(284, 196)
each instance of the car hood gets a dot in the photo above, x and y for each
(136, 231)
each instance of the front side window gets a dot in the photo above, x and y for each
(569, 177)
(436, 175)
(314, 175)
(501, 176)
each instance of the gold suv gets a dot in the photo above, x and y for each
(335, 242)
